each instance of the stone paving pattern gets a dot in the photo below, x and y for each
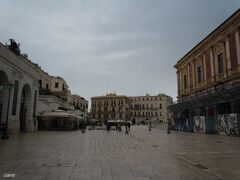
(102, 155)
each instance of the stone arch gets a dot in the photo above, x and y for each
(26, 106)
(4, 92)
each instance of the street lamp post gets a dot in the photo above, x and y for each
(168, 127)
(83, 128)
(5, 133)
(126, 116)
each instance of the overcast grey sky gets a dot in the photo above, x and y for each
(99, 46)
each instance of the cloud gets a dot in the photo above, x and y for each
(105, 45)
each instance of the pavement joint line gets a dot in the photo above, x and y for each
(134, 154)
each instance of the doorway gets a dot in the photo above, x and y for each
(25, 107)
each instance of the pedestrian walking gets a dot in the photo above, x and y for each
(129, 126)
(150, 126)
(108, 126)
(119, 127)
(126, 126)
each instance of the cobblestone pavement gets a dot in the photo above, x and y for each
(102, 155)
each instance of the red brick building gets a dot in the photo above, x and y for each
(208, 79)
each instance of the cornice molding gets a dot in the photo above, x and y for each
(214, 37)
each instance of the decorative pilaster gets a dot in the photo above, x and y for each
(212, 65)
(188, 76)
(237, 46)
(204, 69)
(193, 76)
(180, 83)
(228, 60)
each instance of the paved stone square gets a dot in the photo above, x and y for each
(102, 155)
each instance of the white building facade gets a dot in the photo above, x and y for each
(54, 94)
(80, 105)
(18, 91)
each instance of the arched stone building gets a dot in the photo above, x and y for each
(18, 91)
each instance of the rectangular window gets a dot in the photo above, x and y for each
(56, 84)
(160, 106)
(185, 81)
(199, 71)
(220, 63)
(15, 96)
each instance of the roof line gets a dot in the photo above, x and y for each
(237, 11)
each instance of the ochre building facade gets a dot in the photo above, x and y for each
(138, 109)
(110, 107)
